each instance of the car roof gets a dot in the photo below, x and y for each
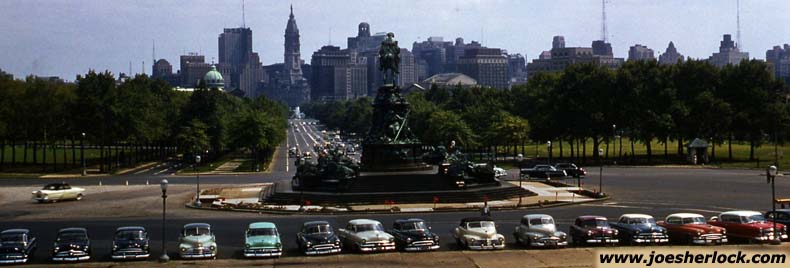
(73, 230)
(475, 219)
(782, 210)
(15, 231)
(536, 216)
(635, 215)
(685, 215)
(363, 221)
(56, 184)
(592, 217)
(311, 223)
(741, 213)
(130, 228)
(408, 220)
(197, 225)
(256, 225)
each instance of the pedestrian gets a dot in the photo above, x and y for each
(486, 211)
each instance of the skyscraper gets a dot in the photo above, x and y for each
(561, 56)
(486, 65)
(670, 56)
(779, 57)
(288, 85)
(293, 62)
(640, 52)
(193, 68)
(241, 66)
(729, 53)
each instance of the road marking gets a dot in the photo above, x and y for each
(143, 171)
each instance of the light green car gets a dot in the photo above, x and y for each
(262, 240)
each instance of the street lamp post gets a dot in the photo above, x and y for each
(520, 158)
(164, 257)
(771, 173)
(600, 173)
(82, 155)
(548, 144)
(197, 176)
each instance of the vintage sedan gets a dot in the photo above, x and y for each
(478, 233)
(748, 226)
(538, 230)
(197, 241)
(72, 244)
(593, 230)
(262, 240)
(130, 243)
(571, 169)
(317, 238)
(414, 235)
(781, 216)
(366, 236)
(58, 191)
(691, 228)
(640, 229)
(542, 172)
(16, 246)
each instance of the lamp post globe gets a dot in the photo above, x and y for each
(163, 186)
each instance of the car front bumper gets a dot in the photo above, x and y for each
(198, 253)
(377, 247)
(263, 252)
(71, 256)
(322, 249)
(426, 245)
(130, 254)
(705, 240)
(602, 240)
(657, 238)
(13, 258)
(486, 245)
(548, 243)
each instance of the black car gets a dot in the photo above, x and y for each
(571, 169)
(16, 246)
(782, 216)
(317, 237)
(130, 243)
(542, 172)
(72, 244)
(414, 235)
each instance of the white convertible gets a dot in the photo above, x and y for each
(366, 236)
(58, 191)
(478, 233)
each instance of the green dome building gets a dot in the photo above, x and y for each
(213, 79)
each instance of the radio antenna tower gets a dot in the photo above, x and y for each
(243, 18)
(738, 23)
(603, 21)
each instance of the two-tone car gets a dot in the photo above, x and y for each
(640, 229)
(130, 243)
(478, 233)
(262, 240)
(54, 192)
(593, 230)
(197, 241)
(71, 244)
(539, 230)
(366, 236)
(748, 226)
(542, 171)
(414, 235)
(571, 169)
(16, 246)
(317, 238)
(691, 228)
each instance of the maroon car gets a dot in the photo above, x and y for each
(748, 226)
(593, 230)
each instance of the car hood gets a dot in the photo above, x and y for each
(418, 235)
(644, 228)
(320, 238)
(374, 236)
(11, 247)
(548, 229)
(131, 243)
(194, 239)
(704, 228)
(74, 244)
(482, 232)
(263, 241)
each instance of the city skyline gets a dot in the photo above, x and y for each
(65, 38)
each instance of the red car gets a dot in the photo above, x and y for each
(593, 230)
(691, 228)
(748, 226)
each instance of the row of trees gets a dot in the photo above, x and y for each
(134, 117)
(642, 100)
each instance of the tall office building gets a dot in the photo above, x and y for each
(560, 56)
(486, 65)
(240, 66)
(670, 56)
(729, 53)
(640, 52)
(779, 57)
(193, 68)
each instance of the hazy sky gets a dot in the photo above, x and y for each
(67, 37)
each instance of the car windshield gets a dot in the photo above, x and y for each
(641, 221)
(369, 227)
(752, 218)
(318, 229)
(595, 223)
(413, 226)
(262, 231)
(51, 187)
(541, 221)
(129, 235)
(480, 224)
(694, 220)
(12, 238)
(71, 236)
(196, 231)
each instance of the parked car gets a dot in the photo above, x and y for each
(571, 169)
(782, 216)
(16, 246)
(542, 172)
(538, 230)
(478, 233)
(262, 240)
(414, 235)
(691, 228)
(71, 244)
(317, 238)
(130, 243)
(54, 192)
(366, 236)
(748, 226)
(640, 229)
(197, 241)
(593, 230)
(499, 172)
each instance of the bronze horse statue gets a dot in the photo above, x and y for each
(389, 58)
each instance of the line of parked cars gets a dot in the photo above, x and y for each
(262, 239)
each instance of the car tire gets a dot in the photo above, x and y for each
(79, 197)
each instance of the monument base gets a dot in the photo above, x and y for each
(393, 157)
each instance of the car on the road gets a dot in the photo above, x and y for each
(16, 246)
(499, 172)
(307, 155)
(262, 240)
(542, 171)
(71, 244)
(366, 236)
(317, 238)
(691, 228)
(414, 235)
(748, 226)
(571, 169)
(640, 229)
(782, 216)
(130, 243)
(54, 192)
(478, 233)
(539, 230)
(197, 241)
(593, 230)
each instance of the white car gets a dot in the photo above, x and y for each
(197, 241)
(539, 230)
(478, 233)
(499, 172)
(58, 191)
(366, 236)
